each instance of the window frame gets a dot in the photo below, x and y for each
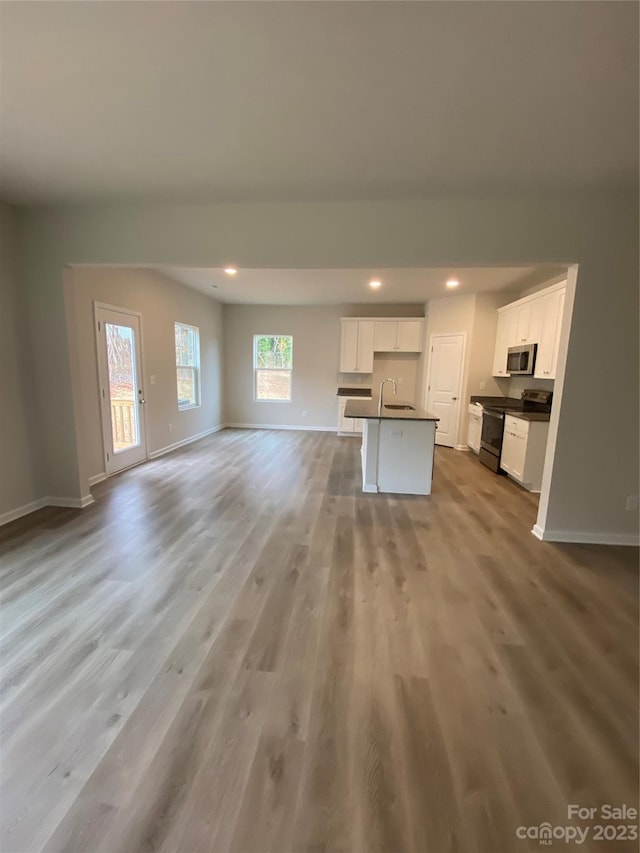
(257, 399)
(195, 367)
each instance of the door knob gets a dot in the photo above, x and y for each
(454, 398)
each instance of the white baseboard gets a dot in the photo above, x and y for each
(582, 537)
(19, 511)
(97, 478)
(72, 503)
(283, 426)
(185, 441)
(370, 489)
(461, 447)
(27, 509)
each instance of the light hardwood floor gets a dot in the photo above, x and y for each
(236, 650)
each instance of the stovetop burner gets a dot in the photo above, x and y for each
(532, 400)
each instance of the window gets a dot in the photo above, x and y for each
(273, 364)
(188, 365)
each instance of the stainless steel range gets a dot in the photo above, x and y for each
(493, 414)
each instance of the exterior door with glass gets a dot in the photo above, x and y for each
(121, 392)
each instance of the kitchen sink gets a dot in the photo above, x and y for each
(404, 407)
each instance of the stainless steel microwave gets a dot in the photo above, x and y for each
(521, 359)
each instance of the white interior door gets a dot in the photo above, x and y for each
(443, 384)
(121, 391)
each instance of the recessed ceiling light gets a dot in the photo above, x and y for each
(453, 282)
(230, 270)
(375, 283)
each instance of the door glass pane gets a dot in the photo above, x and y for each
(121, 360)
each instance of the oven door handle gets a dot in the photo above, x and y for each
(493, 414)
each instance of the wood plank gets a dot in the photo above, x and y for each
(235, 649)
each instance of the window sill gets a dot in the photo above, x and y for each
(187, 408)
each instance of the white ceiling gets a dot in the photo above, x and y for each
(347, 286)
(233, 101)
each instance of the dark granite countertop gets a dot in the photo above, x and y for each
(530, 416)
(517, 411)
(500, 401)
(369, 411)
(359, 391)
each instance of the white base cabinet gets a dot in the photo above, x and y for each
(524, 445)
(474, 431)
(349, 426)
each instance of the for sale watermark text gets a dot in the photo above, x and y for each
(606, 823)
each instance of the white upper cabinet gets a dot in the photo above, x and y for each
(349, 347)
(549, 342)
(528, 322)
(409, 335)
(556, 342)
(365, 346)
(536, 319)
(385, 336)
(505, 335)
(398, 336)
(356, 347)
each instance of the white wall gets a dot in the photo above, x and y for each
(316, 361)
(475, 316)
(161, 302)
(483, 344)
(316, 343)
(19, 486)
(401, 366)
(448, 316)
(517, 384)
(598, 231)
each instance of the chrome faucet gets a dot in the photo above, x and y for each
(395, 391)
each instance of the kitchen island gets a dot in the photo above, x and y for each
(397, 447)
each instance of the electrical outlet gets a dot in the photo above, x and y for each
(631, 504)
(170, 427)
(304, 413)
(400, 381)
(483, 385)
(152, 379)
